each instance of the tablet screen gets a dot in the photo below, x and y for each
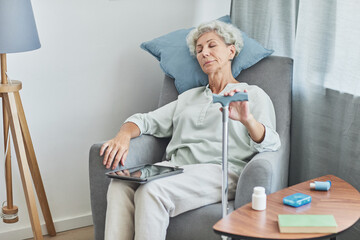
(143, 172)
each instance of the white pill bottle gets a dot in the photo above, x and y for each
(259, 199)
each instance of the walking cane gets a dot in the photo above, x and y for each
(225, 101)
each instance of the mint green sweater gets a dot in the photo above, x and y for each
(194, 124)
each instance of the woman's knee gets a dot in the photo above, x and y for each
(147, 190)
(151, 192)
(153, 197)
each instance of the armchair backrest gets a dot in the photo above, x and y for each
(274, 75)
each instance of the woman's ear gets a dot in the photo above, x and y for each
(232, 50)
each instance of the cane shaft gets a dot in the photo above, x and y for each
(224, 198)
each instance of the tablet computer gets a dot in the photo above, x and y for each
(144, 173)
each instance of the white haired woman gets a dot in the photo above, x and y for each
(194, 124)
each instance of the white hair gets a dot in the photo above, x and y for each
(228, 32)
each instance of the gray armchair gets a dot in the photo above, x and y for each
(268, 169)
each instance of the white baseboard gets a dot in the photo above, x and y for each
(60, 226)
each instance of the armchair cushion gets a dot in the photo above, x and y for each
(174, 56)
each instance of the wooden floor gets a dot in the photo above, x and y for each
(85, 233)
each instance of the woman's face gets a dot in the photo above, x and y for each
(213, 54)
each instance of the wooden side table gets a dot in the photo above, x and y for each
(342, 201)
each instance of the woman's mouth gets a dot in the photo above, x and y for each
(207, 62)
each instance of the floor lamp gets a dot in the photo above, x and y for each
(18, 33)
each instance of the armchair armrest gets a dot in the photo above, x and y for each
(266, 169)
(143, 149)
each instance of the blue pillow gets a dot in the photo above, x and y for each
(176, 61)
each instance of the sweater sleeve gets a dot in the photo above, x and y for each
(157, 123)
(263, 110)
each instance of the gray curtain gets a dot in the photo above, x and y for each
(322, 37)
(267, 22)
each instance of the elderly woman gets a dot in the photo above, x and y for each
(194, 124)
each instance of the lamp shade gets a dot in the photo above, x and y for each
(18, 31)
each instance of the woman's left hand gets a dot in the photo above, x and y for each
(239, 111)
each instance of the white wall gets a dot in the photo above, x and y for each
(88, 76)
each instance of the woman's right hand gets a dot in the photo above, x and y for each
(116, 151)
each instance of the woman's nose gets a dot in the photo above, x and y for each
(205, 52)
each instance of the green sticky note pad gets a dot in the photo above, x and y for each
(304, 223)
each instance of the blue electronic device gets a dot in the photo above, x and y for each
(297, 199)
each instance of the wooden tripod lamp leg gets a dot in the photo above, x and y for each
(10, 105)
(10, 209)
(34, 168)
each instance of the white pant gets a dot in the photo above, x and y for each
(142, 211)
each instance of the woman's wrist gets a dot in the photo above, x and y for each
(250, 122)
(128, 130)
(255, 129)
